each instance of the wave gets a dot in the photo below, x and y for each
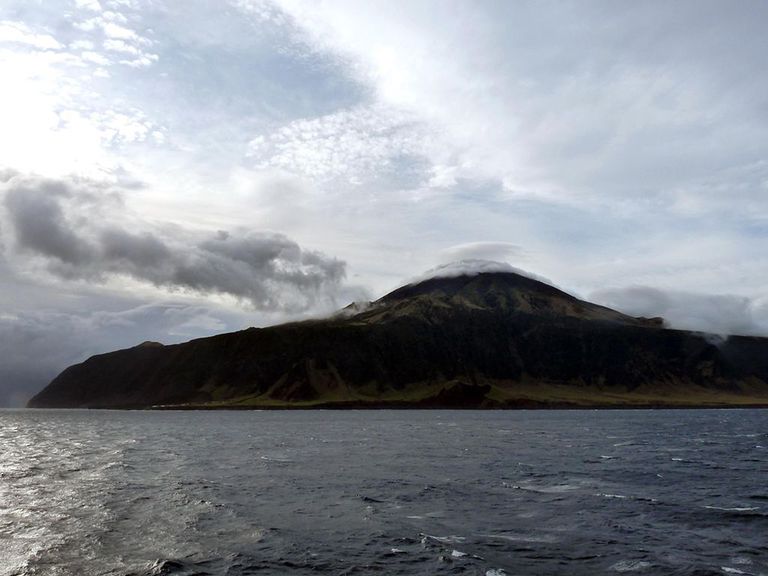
(734, 508)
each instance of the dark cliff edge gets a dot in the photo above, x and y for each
(492, 340)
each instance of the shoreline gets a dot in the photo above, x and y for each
(462, 408)
(414, 407)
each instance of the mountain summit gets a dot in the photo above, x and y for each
(500, 291)
(487, 338)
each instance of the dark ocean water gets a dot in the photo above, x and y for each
(384, 492)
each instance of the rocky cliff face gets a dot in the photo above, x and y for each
(494, 339)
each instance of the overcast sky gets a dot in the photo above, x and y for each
(175, 169)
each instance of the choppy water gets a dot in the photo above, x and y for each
(388, 492)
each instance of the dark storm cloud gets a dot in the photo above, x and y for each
(39, 223)
(717, 314)
(82, 231)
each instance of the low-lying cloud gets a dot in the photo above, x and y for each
(473, 267)
(717, 314)
(36, 345)
(80, 230)
(496, 251)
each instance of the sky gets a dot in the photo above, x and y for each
(171, 170)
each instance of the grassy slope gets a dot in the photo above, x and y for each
(508, 395)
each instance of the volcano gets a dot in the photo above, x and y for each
(492, 339)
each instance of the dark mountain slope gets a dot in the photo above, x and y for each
(489, 340)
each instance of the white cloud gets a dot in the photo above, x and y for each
(54, 122)
(112, 16)
(81, 45)
(443, 176)
(473, 267)
(88, 25)
(121, 46)
(714, 313)
(89, 5)
(118, 36)
(33, 137)
(19, 33)
(142, 61)
(95, 58)
(493, 251)
(115, 31)
(352, 144)
(620, 118)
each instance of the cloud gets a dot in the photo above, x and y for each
(567, 103)
(717, 314)
(38, 219)
(79, 230)
(503, 251)
(473, 268)
(89, 5)
(354, 144)
(36, 346)
(19, 33)
(118, 34)
(57, 114)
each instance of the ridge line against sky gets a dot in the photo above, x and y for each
(171, 170)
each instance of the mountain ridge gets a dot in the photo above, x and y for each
(485, 340)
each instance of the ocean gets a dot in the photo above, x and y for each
(572, 492)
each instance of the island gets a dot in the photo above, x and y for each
(486, 340)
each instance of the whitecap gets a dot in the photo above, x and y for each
(495, 572)
(458, 554)
(553, 489)
(734, 508)
(522, 538)
(728, 570)
(276, 459)
(630, 565)
(444, 539)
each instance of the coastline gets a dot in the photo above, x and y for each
(406, 406)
